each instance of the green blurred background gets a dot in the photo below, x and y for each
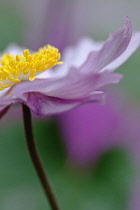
(108, 184)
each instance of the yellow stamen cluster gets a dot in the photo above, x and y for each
(19, 68)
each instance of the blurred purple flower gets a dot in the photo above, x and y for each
(59, 23)
(90, 130)
(87, 67)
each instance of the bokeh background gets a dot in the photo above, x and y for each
(92, 153)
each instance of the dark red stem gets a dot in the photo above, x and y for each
(35, 158)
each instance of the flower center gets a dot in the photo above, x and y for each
(19, 68)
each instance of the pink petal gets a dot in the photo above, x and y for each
(43, 105)
(133, 45)
(108, 78)
(74, 85)
(111, 50)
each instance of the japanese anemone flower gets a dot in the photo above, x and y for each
(29, 78)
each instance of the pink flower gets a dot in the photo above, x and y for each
(91, 130)
(87, 67)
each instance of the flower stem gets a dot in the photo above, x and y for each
(35, 158)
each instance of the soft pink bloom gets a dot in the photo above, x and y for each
(87, 67)
(91, 130)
